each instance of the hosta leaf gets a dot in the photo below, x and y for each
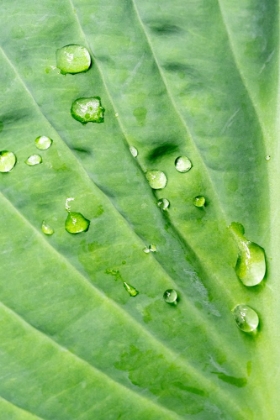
(86, 332)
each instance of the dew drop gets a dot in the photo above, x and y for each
(183, 164)
(130, 289)
(170, 296)
(133, 151)
(267, 157)
(73, 59)
(7, 161)
(33, 160)
(163, 203)
(76, 223)
(251, 265)
(150, 248)
(88, 110)
(246, 318)
(156, 179)
(47, 229)
(199, 201)
(43, 142)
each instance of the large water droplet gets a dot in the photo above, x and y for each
(43, 142)
(133, 151)
(251, 265)
(88, 110)
(33, 160)
(199, 201)
(163, 203)
(130, 289)
(170, 296)
(76, 223)
(47, 229)
(7, 161)
(73, 59)
(156, 179)
(246, 318)
(183, 164)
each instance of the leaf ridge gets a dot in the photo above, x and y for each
(239, 71)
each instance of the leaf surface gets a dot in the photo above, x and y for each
(196, 79)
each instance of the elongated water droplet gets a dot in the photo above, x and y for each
(130, 289)
(183, 164)
(33, 160)
(199, 201)
(133, 151)
(88, 110)
(76, 223)
(43, 142)
(170, 296)
(251, 265)
(246, 318)
(7, 161)
(73, 59)
(150, 248)
(163, 203)
(156, 179)
(47, 229)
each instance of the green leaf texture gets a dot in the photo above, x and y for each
(195, 78)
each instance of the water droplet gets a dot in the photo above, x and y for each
(7, 161)
(246, 318)
(163, 203)
(67, 201)
(183, 164)
(150, 248)
(199, 201)
(116, 114)
(156, 179)
(133, 151)
(47, 229)
(170, 296)
(73, 59)
(33, 160)
(267, 157)
(251, 265)
(130, 289)
(43, 142)
(76, 223)
(88, 110)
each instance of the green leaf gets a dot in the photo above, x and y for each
(176, 79)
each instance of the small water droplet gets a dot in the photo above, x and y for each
(246, 318)
(130, 289)
(33, 160)
(170, 296)
(156, 179)
(43, 142)
(76, 223)
(199, 201)
(133, 151)
(47, 229)
(7, 161)
(73, 59)
(116, 114)
(150, 248)
(67, 201)
(251, 265)
(163, 203)
(267, 157)
(183, 164)
(88, 110)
